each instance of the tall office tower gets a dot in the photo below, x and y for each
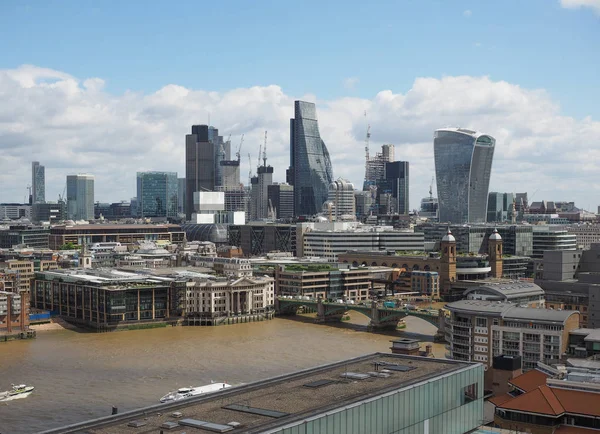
(80, 197)
(281, 200)
(220, 153)
(230, 174)
(265, 178)
(341, 198)
(181, 195)
(199, 164)
(521, 203)
(157, 194)
(463, 165)
(375, 167)
(38, 183)
(253, 200)
(310, 166)
(395, 186)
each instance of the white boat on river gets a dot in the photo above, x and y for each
(17, 392)
(188, 392)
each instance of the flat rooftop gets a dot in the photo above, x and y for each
(272, 403)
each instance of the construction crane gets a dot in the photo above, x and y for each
(265, 151)
(367, 138)
(237, 154)
(259, 152)
(249, 170)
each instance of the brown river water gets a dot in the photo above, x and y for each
(80, 376)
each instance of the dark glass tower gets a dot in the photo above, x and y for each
(396, 184)
(310, 167)
(463, 166)
(157, 194)
(38, 183)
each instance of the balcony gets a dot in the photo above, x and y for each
(462, 341)
(461, 350)
(532, 348)
(461, 332)
(461, 324)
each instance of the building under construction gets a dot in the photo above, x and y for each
(375, 166)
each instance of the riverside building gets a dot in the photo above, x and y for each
(479, 330)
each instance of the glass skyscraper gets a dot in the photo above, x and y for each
(38, 183)
(157, 194)
(80, 197)
(463, 165)
(310, 167)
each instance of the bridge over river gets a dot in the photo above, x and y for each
(381, 317)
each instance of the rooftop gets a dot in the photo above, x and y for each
(529, 380)
(509, 289)
(291, 398)
(509, 311)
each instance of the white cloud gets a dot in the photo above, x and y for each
(351, 82)
(467, 13)
(72, 125)
(575, 4)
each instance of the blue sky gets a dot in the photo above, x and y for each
(312, 46)
(112, 87)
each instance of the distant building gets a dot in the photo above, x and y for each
(25, 234)
(500, 207)
(200, 163)
(281, 199)
(310, 166)
(463, 166)
(181, 183)
(586, 234)
(209, 208)
(15, 211)
(51, 212)
(260, 193)
(124, 234)
(328, 241)
(14, 312)
(38, 183)
(521, 204)
(258, 239)
(323, 281)
(396, 184)
(426, 283)
(375, 166)
(157, 194)
(364, 202)
(341, 200)
(80, 197)
(545, 238)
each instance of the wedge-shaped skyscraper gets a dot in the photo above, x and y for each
(463, 165)
(310, 167)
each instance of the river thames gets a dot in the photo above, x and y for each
(79, 376)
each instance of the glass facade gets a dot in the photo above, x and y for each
(310, 166)
(450, 404)
(157, 194)
(463, 165)
(80, 197)
(38, 183)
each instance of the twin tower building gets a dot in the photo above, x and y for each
(463, 162)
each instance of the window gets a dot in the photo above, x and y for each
(481, 322)
(469, 393)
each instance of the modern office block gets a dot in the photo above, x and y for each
(396, 184)
(310, 166)
(281, 200)
(157, 194)
(80, 197)
(341, 200)
(463, 166)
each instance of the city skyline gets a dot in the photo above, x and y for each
(80, 119)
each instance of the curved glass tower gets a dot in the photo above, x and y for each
(310, 167)
(463, 165)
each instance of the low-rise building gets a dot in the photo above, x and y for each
(124, 234)
(548, 400)
(426, 283)
(545, 238)
(102, 299)
(479, 330)
(24, 271)
(323, 281)
(36, 237)
(230, 267)
(521, 293)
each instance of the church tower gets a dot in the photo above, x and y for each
(447, 262)
(495, 253)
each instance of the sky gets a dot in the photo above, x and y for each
(111, 88)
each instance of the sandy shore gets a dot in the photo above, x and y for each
(56, 324)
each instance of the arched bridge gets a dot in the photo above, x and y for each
(381, 317)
